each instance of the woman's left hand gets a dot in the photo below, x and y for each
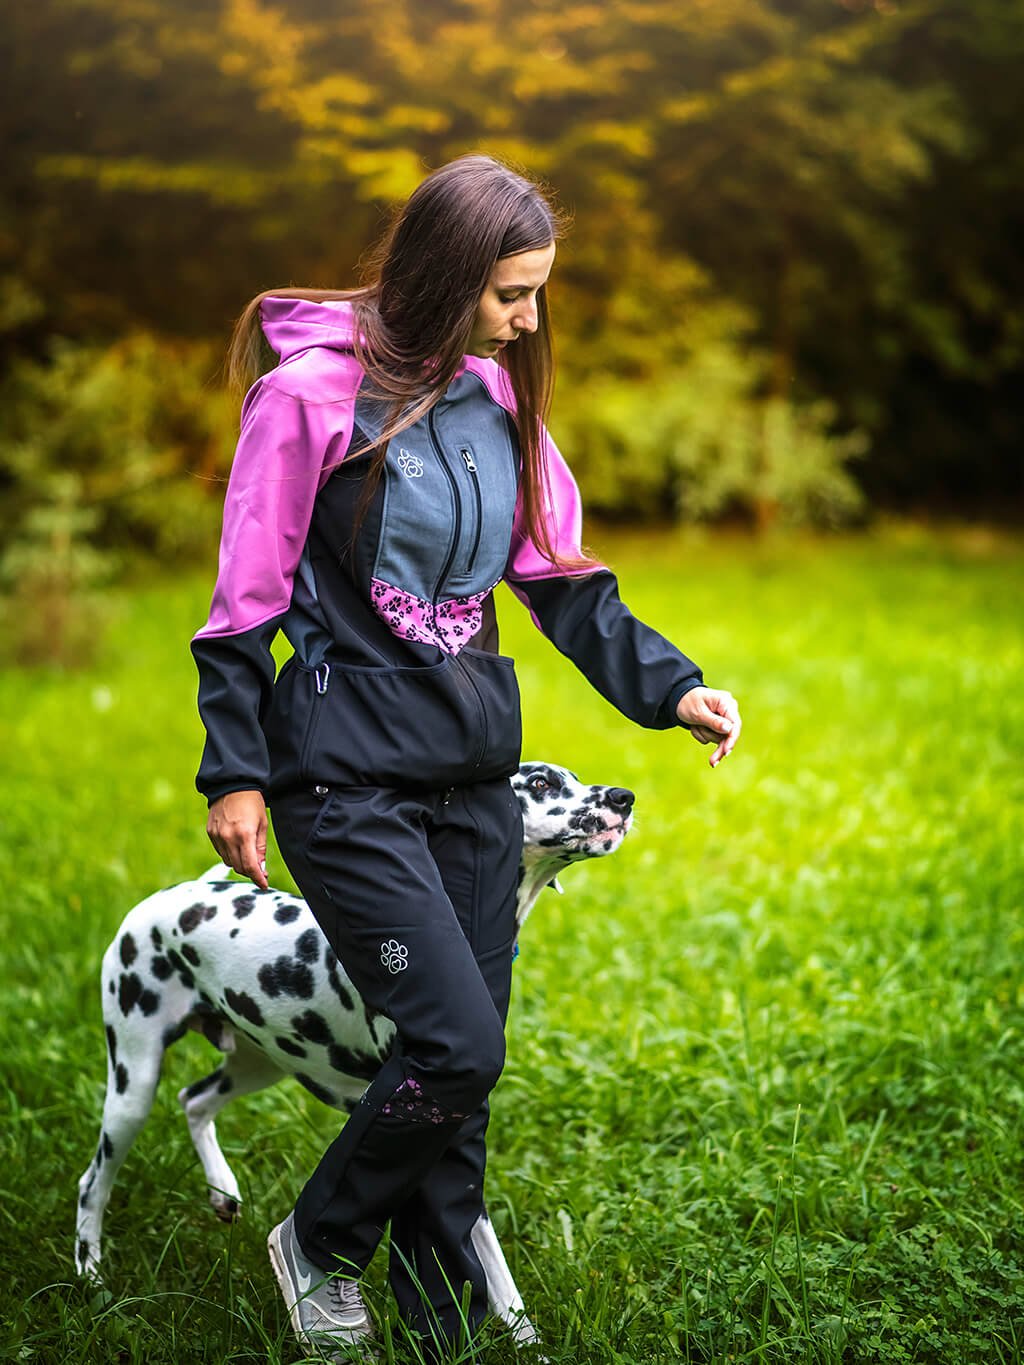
(713, 718)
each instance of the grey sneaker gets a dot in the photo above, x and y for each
(326, 1311)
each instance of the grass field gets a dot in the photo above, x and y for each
(765, 1091)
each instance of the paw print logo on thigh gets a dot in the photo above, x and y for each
(394, 956)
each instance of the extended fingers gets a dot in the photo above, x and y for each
(238, 831)
(713, 718)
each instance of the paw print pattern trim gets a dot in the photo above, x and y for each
(394, 956)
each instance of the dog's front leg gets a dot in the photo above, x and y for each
(504, 1298)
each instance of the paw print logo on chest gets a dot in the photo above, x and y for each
(394, 956)
(410, 465)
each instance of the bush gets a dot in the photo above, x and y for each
(105, 453)
(667, 407)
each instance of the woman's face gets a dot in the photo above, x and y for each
(508, 304)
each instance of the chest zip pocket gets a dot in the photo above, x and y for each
(477, 509)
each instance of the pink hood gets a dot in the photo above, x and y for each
(295, 325)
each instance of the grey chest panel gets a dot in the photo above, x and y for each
(450, 484)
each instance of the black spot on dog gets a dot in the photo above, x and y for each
(292, 1049)
(339, 990)
(317, 1091)
(330, 958)
(307, 945)
(83, 1198)
(129, 992)
(244, 1005)
(189, 953)
(371, 1016)
(352, 1063)
(557, 810)
(161, 967)
(226, 1084)
(129, 950)
(312, 1026)
(244, 905)
(172, 1035)
(121, 1078)
(221, 886)
(523, 804)
(149, 1003)
(110, 986)
(286, 977)
(108, 1146)
(184, 975)
(234, 932)
(112, 1045)
(157, 937)
(83, 1251)
(197, 1087)
(191, 918)
(287, 914)
(98, 1158)
(210, 1024)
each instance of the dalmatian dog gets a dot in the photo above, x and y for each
(251, 970)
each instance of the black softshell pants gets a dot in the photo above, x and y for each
(416, 895)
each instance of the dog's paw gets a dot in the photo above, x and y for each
(228, 1210)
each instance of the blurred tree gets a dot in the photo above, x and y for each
(845, 170)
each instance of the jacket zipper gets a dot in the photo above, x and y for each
(456, 661)
(470, 463)
(455, 499)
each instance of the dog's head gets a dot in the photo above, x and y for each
(567, 819)
(564, 820)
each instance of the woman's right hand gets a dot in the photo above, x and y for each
(237, 826)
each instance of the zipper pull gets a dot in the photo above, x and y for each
(467, 455)
(322, 674)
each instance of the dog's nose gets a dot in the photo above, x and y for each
(621, 798)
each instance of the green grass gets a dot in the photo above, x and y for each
(765, 1091)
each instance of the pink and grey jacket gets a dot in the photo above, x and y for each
(396, 679)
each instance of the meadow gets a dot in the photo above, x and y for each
(765, 1092)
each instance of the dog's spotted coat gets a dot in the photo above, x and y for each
(251, 970)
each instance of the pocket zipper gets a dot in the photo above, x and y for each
(321, 676)
(470, 463)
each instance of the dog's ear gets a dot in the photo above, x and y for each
(556, 885)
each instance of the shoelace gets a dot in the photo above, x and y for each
(344, 1295)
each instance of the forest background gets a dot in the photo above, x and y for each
(791, 293)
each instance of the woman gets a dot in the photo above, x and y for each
(391, 469)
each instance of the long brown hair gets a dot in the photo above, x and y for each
(415, 310)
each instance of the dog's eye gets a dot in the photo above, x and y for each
(537, 783)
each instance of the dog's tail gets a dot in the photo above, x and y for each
(219, 872)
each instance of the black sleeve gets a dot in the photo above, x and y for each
(631, 665)
(236, 680)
